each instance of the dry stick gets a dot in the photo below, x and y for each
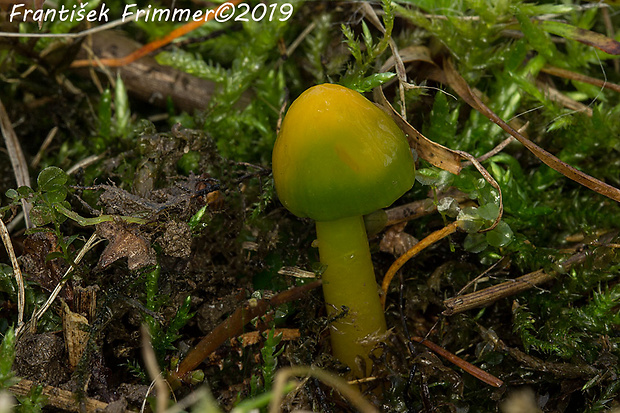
(231, 327)
(18, 161)
(567, 74)
(157, 44)
(489, 295)
(477, 372)
(462, 88)
(21, 294)
(426, 242)
(59, 398)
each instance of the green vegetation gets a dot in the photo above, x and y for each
(191, 229)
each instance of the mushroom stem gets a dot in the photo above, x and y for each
(349, 281)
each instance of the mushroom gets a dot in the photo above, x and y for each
(338, 157)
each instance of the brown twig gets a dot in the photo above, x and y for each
(232, 327)
(491, 294)
(61, 399)
(477, 372)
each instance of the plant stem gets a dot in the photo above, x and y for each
(349, 281)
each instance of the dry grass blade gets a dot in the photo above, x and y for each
(150, 361)
(337, 383)
(6, 239)
(464, 91)
(18, 161)
(432, 152)
(567, 74)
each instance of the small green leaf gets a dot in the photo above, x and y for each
(25, 191)
(105, 114)
(537, 37)
(196, 222)
(52, 178)
(500, 236)
(7, 356)
(12, 193)
(41, 215)
(121, 104)
(370, 82)
(56, 196)
(470, 218)
(7, 281)
(475, 242)
(488, 211)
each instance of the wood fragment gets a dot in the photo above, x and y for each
(59, 398)
(489, 295)
(254, 337)
(147, 80)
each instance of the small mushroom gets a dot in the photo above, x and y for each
(338, 157)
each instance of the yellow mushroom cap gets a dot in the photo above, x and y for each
(338, 155)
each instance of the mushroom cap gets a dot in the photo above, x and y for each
(338, 155)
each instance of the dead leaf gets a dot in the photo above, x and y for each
(47, 272)
(432, 152)
(75, 334)
(124, 243)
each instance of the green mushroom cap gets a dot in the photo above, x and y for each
(338, 155)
